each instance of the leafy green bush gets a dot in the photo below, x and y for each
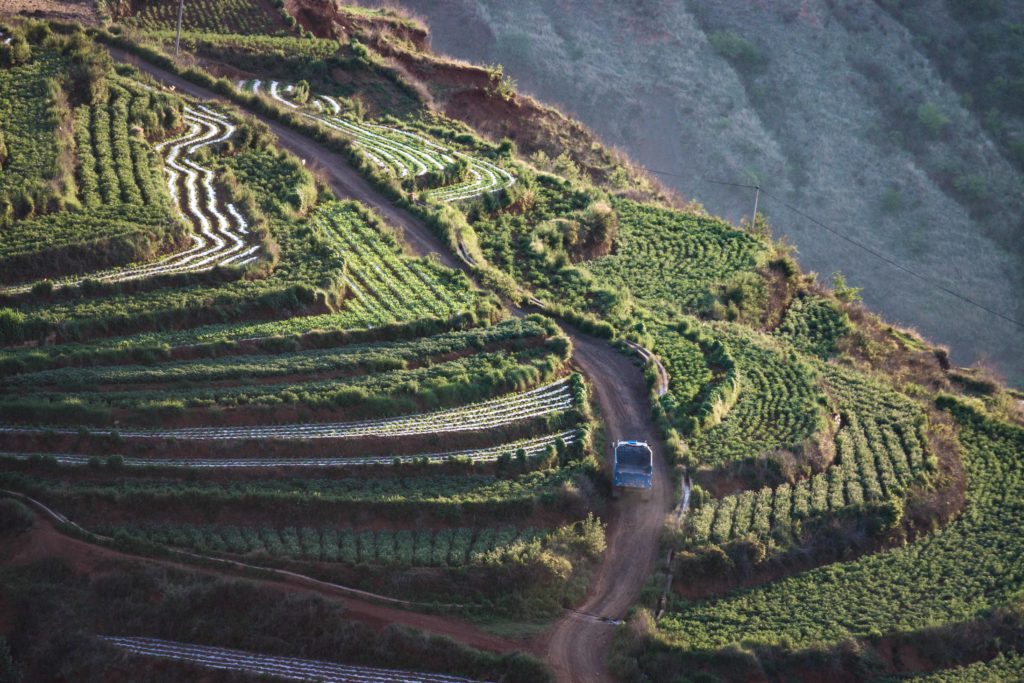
(742, 53)
(15, 517)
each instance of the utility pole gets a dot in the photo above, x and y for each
(757, 195)
(177, 38)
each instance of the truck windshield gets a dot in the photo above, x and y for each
(633, 456)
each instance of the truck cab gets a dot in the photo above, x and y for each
(634, 467)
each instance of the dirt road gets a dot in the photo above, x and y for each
(331, 166)
(46, 541)
(578, 644)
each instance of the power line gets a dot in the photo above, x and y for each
(894, 264)
(854, 242)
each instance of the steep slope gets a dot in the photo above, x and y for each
(832, 107)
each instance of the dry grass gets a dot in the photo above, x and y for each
(82, 11)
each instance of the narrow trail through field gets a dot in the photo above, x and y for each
(46, 541)
(578, 645)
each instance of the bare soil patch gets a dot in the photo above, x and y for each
(83, 11)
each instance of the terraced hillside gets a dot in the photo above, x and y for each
(301, 372)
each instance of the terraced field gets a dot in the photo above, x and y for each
(207, 356)
(670, 260)
(778, 405)
(881, 450)
(399, 153)
(286, 668)
(418, 396)
(220, 16)
(220, 234)
(953, 574)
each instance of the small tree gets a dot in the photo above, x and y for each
(843, 291)
(932, 118)
(301, 92)
(11, 325)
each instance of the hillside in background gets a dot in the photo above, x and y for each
(326, 356)
(897, 124)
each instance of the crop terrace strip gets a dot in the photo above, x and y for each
(880, 452)
(671, 260)
(778, 404)
(222, 16)
(399, 152)
(814, 325)
(449, 547)
(217, 239)
(264, 362)
(288, 668)
(545, 400)
(386, 284)
(532, 447)
(956, 573)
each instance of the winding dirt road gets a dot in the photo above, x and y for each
(578, 644)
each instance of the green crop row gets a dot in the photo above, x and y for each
(673, 261)
(310, 274)
(955, 574)
(385, 284)
(29, 118)
(778, 405)
(814, 325)
(704, 382)
(451, 547)
(1000, 669)
(388, 392)
(358, 357)
(442, 496)
(221, 16)
(880, 452)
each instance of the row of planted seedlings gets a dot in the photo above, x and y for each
(502, 368)
(515, 519)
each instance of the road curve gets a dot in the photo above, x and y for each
(578, 644)
(333, 167)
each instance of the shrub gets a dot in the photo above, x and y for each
(932, 118)
(742, 53)
(15, 519)
(9, 671)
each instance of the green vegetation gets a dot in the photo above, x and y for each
(1001, 668)
(742, 53)
(880, 452)
(677, 262)
(449, 547)
(125, 214)
(218, 16)
(380, 392)
(778, 405)
(441, 496)
(289, 361)
(814, 325)
(953, 574)
(33, 178)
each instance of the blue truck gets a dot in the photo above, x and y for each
(634, 467)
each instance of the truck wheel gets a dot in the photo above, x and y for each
(616, 492)
(646, 494)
